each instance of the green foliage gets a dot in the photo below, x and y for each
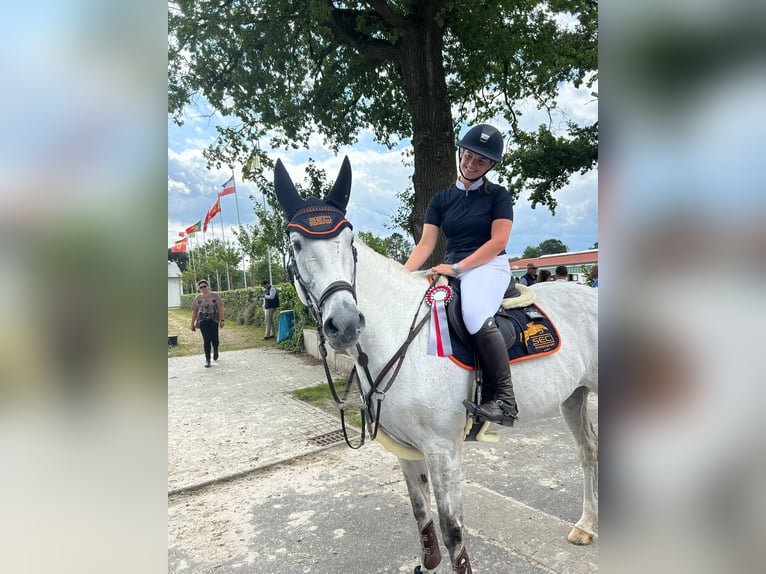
(417, 70)
(551, 246)
(395, 246)
(398, 247)
(530, 252)
(543, 162)
(181, 259)
(547, 247)
(321, 397)
(372, 241)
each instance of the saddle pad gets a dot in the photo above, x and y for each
(536, 336)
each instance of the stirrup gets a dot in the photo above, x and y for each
(474, 409)
(509, 417)
(506, 420)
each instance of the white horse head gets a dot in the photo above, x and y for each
(324, 271)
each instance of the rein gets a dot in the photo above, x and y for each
(397, 359)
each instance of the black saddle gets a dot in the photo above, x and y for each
(504, 321)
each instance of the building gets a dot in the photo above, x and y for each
(574, 260)
(175, 288)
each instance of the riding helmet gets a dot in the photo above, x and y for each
(484, 140)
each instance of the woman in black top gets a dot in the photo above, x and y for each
(476, 217)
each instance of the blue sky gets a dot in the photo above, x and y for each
(378, 175)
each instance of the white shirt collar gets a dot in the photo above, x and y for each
(475, 185)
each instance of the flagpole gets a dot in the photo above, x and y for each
(223, 234)
(268, 249)
(254, 159)
(239, 224)
(191, 256)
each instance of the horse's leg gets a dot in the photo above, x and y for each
(416, 478)
(575, 412)
(446, 478)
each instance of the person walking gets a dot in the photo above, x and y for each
(476, 217)
(270, 302)
(207, 314)
(530, 277)
(594, 275)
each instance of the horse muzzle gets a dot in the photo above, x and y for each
(342, 326)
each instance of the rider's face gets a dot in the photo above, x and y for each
(474, 165)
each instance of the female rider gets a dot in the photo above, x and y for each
(476, 217)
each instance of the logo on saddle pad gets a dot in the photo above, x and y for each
(538, 337)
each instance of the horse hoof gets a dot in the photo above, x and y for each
(579, 537)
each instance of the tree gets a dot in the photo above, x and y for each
(373, 242)
(406, 69)
(547, 247)
(551, 246)
(398, 247)
(180, 257)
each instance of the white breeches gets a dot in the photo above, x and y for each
(482, 290)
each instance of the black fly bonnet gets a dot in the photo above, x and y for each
(315, 219)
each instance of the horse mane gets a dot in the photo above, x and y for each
(385, 280)
(391, 267)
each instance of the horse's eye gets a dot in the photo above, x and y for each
(296, 246)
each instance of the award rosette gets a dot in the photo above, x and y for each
(438, 340)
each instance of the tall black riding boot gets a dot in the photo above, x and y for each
(493, 356)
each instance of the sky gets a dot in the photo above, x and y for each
(379, 174)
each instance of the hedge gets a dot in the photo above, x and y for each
(244, 307)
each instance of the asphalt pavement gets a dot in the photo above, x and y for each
(262, 483)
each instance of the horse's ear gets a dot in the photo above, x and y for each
(341, 190)
(285, 189)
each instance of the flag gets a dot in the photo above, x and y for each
(211, 214)
(181, 234)
(191, 230)
(179, 245)
(228, 187)
(251, 164)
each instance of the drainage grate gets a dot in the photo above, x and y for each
(327, 438)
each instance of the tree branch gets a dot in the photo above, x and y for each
(343, 25)
(389, 14)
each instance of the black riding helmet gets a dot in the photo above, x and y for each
(483, 140)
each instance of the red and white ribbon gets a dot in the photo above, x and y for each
(439, 343)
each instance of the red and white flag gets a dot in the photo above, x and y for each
(211, 214)
(228, 187)
(179, 246)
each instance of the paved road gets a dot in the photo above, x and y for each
(257, 483)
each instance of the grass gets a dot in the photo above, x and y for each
(233, 336)
(320, 396)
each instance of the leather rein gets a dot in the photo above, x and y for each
(370, 417)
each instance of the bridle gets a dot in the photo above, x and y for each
(315, 304)
(315, 310)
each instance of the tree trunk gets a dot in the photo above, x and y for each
(420, 52)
